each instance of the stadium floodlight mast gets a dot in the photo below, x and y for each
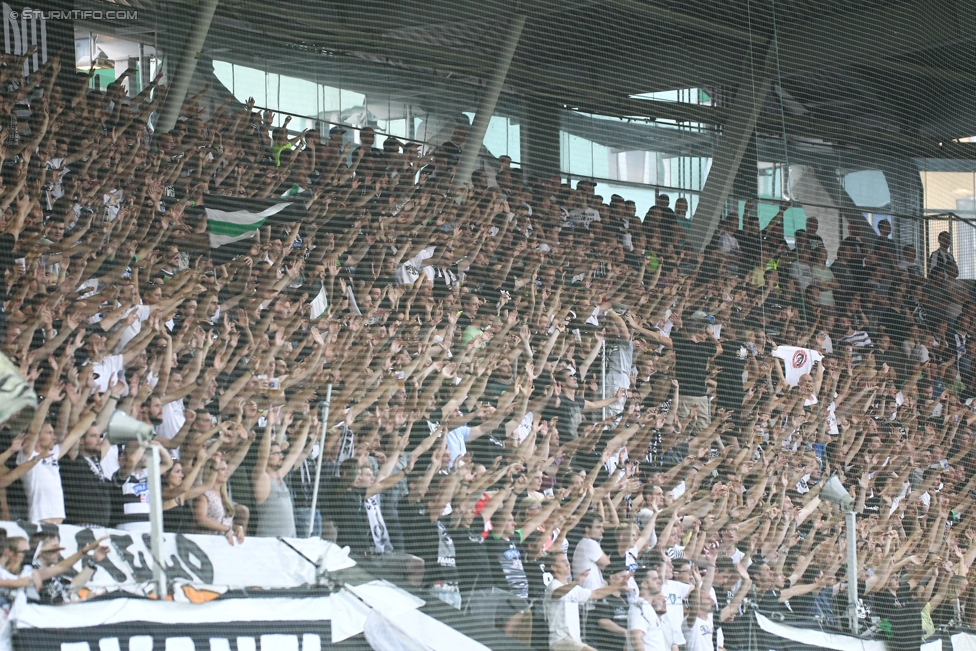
(834, 491)
(123, 428)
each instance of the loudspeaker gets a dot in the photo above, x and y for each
(123, 428)
(834, 491)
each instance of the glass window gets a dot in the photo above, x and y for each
(502, 137)
(944, 190)
(794, 219)
(770, 184)
(284, 94)
(867, 188)
(686, 95)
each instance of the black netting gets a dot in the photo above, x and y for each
(490, 301)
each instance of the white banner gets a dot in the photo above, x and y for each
(278, 622)
(201, 560)
(963, 642)
(818, 639)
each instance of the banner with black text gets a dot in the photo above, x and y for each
(199, 560)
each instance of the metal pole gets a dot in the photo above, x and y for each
(179, 84)
(603, 377)
(318, 468)
(737, 132)
(156, 520)
(476, 135)
(852, 570)
(91, 55)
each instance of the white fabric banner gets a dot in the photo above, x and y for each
(821, 639)
(329, 618)
(963, 642)
(201, 560)
(117, 612)
(125, 619)
(827, 640)
(414, 631)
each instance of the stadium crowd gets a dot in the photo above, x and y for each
(478, 446)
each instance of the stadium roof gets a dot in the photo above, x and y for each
(877, 75)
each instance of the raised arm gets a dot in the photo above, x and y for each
(296, 449)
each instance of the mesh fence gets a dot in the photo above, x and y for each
(579, 323)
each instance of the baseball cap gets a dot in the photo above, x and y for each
(336, 129)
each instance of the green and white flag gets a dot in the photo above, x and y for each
(231, 219)
(319, 304)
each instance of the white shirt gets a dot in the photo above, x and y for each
(828, 344)
(439, 275)
(728, 242)
(798, 361)
(111, 368)
(113, 202)
(916, 352)
(377, 525)
(563, 613)
(588, 552)
(803, 486)
(42, 485)
(134, 328)
(110, 462)
(457, 442)
(582, 217)
(13, 597)
(832, 428)
(55, 165)
(632, 559)
(173, 419)
(92, 285)
(676, 592)
(135, 502)
(525, 426)
(802, 273)
(409, 271)
(643, 518)
(698, 637)
(619, 362)
(679, 490)
(656, 633)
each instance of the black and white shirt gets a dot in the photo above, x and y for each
(134, 514)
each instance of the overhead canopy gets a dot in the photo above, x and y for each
(892, 75)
